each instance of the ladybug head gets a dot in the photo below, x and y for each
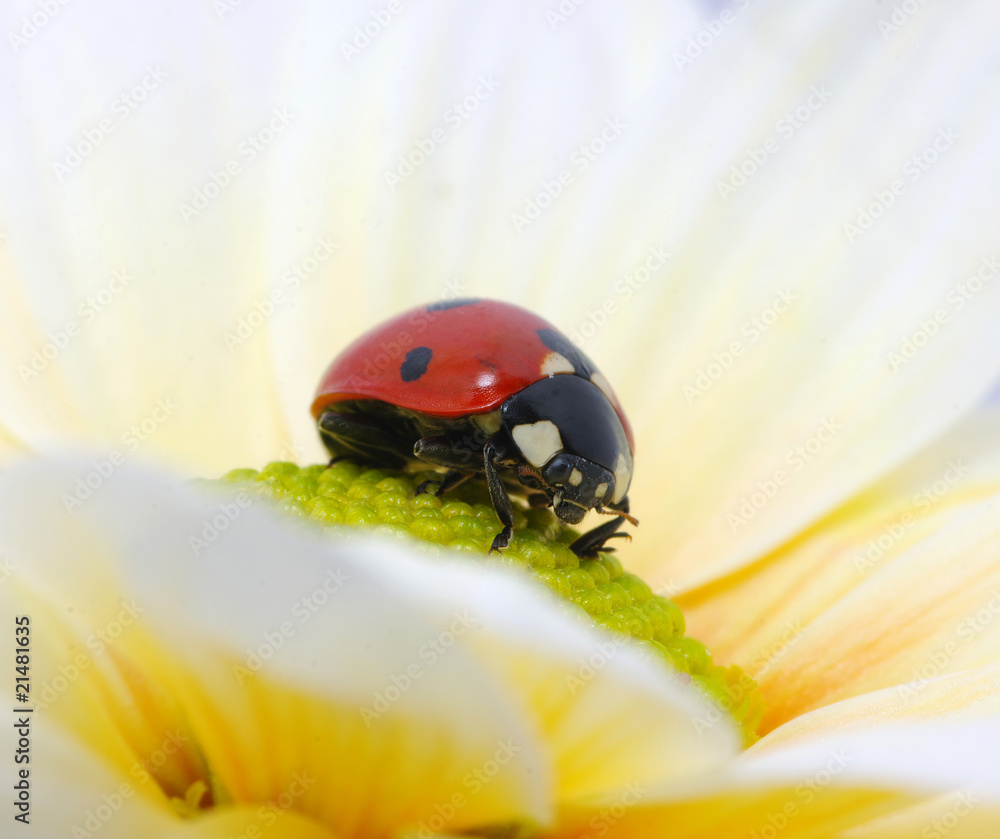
(573, 443)
(578, 485)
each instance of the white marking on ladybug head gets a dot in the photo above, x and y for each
(623, 476)
(605, 387)
(538, 441)
(601, 489)
(556, 362)
(575, 478)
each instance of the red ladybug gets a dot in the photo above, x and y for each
(480, 386)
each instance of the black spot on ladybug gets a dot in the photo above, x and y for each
(557, 342)
(415, 363)
(443, 305)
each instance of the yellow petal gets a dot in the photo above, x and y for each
(971, 694)
(71, 785)
(250, 822)
(814, 788)
(956, 815)
(86, 639)
(733, 813)
(75, 793)
(900, 584)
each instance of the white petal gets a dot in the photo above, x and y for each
(465, 659)
(739, 447)
(938, 756)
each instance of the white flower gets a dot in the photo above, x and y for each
(773, 227)
(353, 689)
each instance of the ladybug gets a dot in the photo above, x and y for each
(484, 387)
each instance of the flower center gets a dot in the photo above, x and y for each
(197, 797)
(152, 723)
(386, 503)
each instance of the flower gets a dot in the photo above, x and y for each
(772, 227)
(281, 684)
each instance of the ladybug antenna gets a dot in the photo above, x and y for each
(619, 513)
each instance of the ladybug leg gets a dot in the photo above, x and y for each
(604, 548)
(354, 435)
(500, 499)
(452, 479)
(593, 540)
(453, 453)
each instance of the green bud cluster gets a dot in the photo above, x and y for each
(385, 502)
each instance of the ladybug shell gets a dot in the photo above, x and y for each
(455, 358)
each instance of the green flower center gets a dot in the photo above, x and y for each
(386, 502)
